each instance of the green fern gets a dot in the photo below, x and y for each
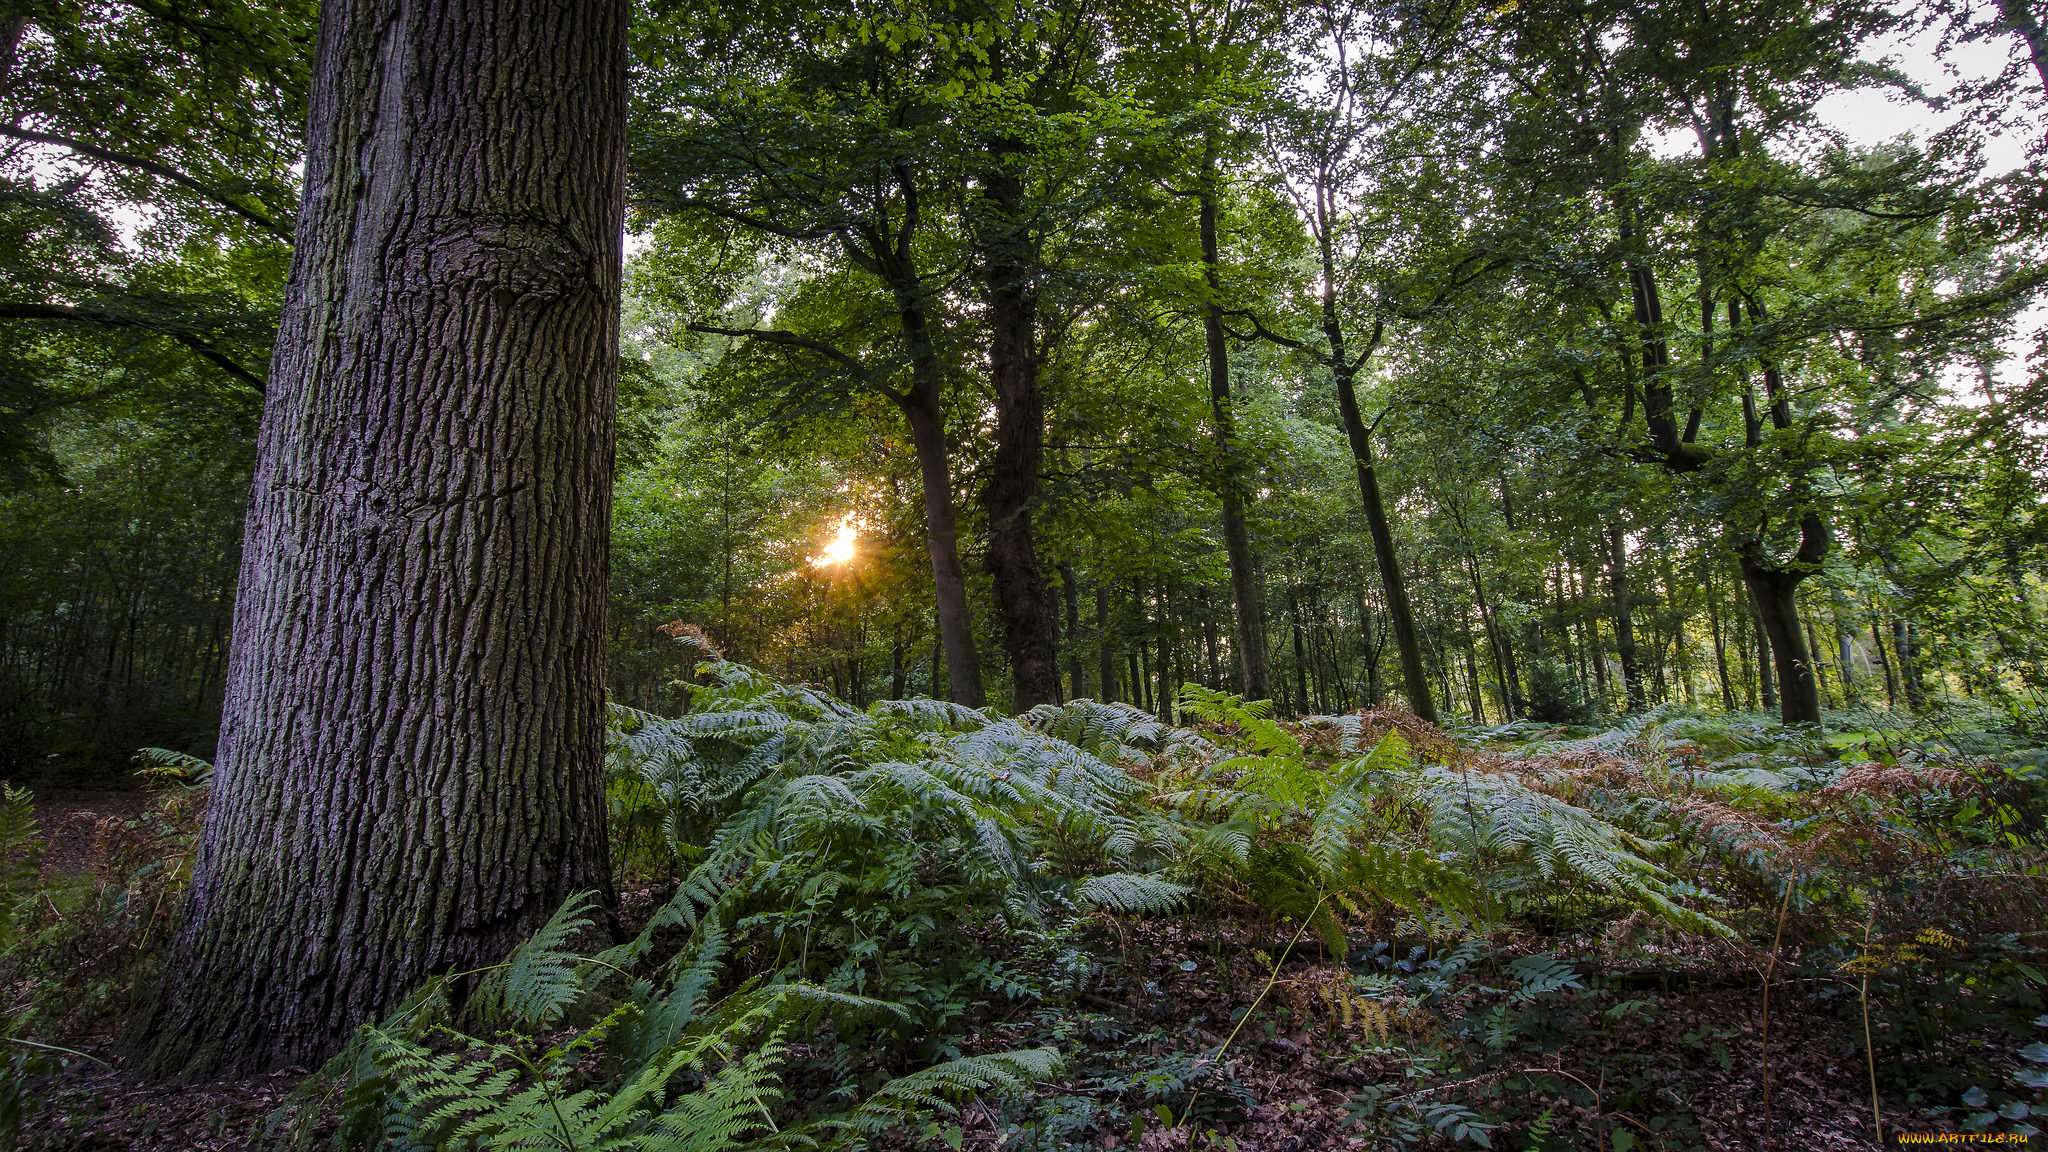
(175, 767)
(695, 1075)
(540, 979)
(21, 863)
(907, 1099)
(1127, 892)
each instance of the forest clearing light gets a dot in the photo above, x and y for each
(840, 550)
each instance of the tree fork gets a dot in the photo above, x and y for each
(411, 768)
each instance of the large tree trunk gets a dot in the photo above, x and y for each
(411, 766)
(1237, 543)
(1023, 599)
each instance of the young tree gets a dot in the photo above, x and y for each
(411, 767)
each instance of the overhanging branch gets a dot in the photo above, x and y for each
(212, 355)
(155, 168)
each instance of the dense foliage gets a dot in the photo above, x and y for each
(853, 922)
(1471, 540)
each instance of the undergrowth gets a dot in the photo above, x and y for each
(900, 923)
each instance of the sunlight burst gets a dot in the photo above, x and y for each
(840, 550)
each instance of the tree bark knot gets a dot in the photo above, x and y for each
(523, 259)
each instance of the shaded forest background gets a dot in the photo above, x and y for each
(1631, 318)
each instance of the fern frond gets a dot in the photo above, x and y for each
(164, 764)
(907, 1099)
(1130, 892)
(540, 978)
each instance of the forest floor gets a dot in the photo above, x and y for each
(68, 819)
(1163, 993)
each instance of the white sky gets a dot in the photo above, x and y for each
(1869, 117)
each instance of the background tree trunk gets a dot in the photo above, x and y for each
(411, 766)
(1237, 544)
(941, 541)
(1624, 622)
(1077, 671)
(1023, 599)
(1105, 652)
(1775, 591)
(1400, 616)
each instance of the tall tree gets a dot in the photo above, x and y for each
(1035, 66)
(1379, 114)
(411, 767)
(828, 129)
(1195, 67)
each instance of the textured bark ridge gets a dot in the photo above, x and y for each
(1023, 599)
(410, 776)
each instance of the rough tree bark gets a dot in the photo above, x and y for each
(1023, 599)
(411, 766)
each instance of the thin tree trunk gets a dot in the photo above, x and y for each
(1472, 680)
(898, 674)
(1624, 621)
(1594, 642)
(411, 771)
(1905, 644)
(1167, 657)
(949, 585)
(1372, 651)
(1884, 663)
(1400, 616)
(1077, 669)
(1301, 705)
(1720, 650)
(1105, 652)
(1814, 650)
(1209, 642)
(1237, 545)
